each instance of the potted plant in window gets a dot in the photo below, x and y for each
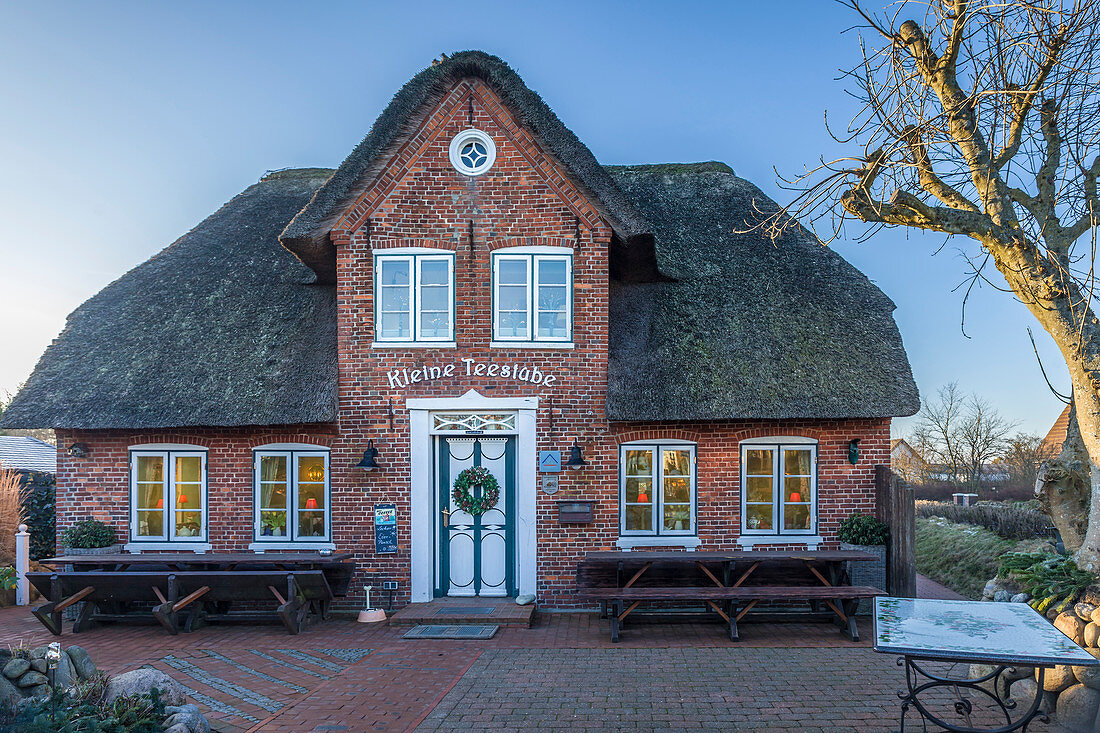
(89, 537)
(866, 533)
(274, 525)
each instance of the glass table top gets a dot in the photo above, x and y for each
(972, 631)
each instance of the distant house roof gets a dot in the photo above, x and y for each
(1056, 436)
(27, 454)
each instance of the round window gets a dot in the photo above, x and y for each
(472, 152)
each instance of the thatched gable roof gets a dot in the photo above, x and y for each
(747, 329)
(306, 234)
(221, 328)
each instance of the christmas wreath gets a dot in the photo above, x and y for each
(463, 491)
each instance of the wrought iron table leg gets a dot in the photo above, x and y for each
(915, 673)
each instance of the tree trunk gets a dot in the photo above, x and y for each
(1062, 485)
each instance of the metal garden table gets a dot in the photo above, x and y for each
(963, 632)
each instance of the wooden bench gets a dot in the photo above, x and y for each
(107, 596)
(842, 600)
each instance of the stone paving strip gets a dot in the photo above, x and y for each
(232, 689)
(302, 656)
(291, 665)
(255, 672)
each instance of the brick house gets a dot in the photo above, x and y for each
(471, 288)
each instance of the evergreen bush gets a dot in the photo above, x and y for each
(864, 529)
(89, 534)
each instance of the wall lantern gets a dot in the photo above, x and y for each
(78, 450)
(576, 460)
(369, 455)
(853, 451)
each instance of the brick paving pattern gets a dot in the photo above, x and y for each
(561, 674)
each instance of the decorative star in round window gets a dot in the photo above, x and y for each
(472, 152)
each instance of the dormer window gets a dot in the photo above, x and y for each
(533, 296)
(414, 298)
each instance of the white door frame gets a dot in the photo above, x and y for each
(422, 485)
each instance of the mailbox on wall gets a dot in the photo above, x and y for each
(575, 512)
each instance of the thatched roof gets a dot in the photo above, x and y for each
(221, 328)
(307, 234)
(747, 329)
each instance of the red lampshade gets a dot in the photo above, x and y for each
(311, 503)
(643, 498)
(796, 496)
(160, 503)
(182, 499)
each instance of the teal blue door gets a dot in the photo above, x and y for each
(476, 554)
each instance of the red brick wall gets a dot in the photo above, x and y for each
(420, 200)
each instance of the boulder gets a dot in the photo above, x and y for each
(141, 681)
(1077, 709)
(525, 600)
(189, 716)
(1058, 678)
(1071, 626)
(991, 587)
(1084, 611)
(1091, 634)
(1020, 598)
(1096, 616)
(1023, 691)
(177, 728)
(82, 661)
(65, 674)
(16, 668)
(40, 691)
(9, 693)
(39, 665)
(39, 652)
(1002, 596)
(31, 679)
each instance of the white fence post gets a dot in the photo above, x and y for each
(22, 565)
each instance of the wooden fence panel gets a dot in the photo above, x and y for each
(895, 506)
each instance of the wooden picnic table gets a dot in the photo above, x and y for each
(731, 583)
(199, 561)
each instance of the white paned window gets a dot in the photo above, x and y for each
(657, 489)
(292, 496)
(778, 488)
(532, 297)
(168, 496)
(473, 421)
(414, 298)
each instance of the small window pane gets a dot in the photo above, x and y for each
(188, 496)
(435, 325)
(552, 325)
(639, 462)
(677, 463)
(188, 524)
(677, 490)
(311, 524)
(796, 489)
(188, 469)
(273, 496)
(639, 491)
(311, 469)
(435, 272)
(395, 325)
(150, 524)
(394, 271)
(758, 462)
(512, 272)
(552, 272)
(435, 298)
(150, 468)
(273, 524)
(311, 496)
(758, 516)
(273, 468)
(513, 324)
(639, 518)
(150, 496)
(796, 462)
(395, 300)
(677, 517)
(758, 488)
(512, 298)
(796, 516)
(552, 298)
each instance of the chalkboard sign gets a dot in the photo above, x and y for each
(385, 528)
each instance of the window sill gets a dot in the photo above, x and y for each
(688, 543)
(413, 345)
(532, 345)
(260, 547)
(749, 541)
(197, 547)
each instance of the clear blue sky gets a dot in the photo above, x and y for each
(125, 124)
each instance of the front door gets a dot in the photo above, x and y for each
(476, 551)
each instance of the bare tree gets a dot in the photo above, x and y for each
(1023, 457)
(960, 434)
(983, 436)
(981, 120)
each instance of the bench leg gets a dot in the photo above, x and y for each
(734, 636)
(850, 608)
(48, 617)
(614, 628)
(84, 620)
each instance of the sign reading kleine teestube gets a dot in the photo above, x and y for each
(402, 378)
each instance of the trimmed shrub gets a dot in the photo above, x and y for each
(37, 498)
(863, 529)
(89, 534)
(1007, 520)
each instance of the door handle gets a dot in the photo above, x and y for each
(446, 517)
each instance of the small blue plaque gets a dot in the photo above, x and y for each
(385, 528)
(549, 461)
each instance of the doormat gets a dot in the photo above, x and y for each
(465, 611)
(451, 632)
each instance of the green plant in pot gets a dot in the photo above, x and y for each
(274, 524)
(88, 534)
(868, 534)
(863, 529)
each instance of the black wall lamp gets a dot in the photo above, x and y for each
(78, 450)
(853, 451)
(369, 455)
(576, 461)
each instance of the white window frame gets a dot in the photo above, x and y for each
(168, 453)
(415, 256)
(291, 452)
(777, 445)
(532, 256)
(658, 446)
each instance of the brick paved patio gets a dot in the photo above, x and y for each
(561, 674)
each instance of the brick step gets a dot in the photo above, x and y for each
(451, 613)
